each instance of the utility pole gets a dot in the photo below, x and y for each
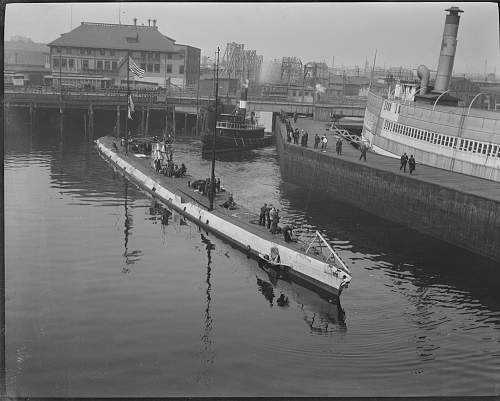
(128, 105)
(373, 68)
(214, 140)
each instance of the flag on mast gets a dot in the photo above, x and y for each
(130, 107)
(134, 68)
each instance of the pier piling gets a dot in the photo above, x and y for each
(142, 121)
(118, 121)
(61, 122)
(91, 123)
(173, 119)
(85, 124)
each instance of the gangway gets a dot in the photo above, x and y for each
(355, 140)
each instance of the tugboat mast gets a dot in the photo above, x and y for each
(212, 179)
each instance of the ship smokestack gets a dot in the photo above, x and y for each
(448, 48)
(243, 99)
(244, 95)
(423, 73)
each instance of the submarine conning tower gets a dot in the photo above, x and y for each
(448, 49)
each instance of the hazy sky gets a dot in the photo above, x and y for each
(405, 34)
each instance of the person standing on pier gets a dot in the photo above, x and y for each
(295, 116)
(305, 137)
(324, 141)
(362, 148)
(262, 216)
(317, 140)
(411, 164)
(339, 146)
(404, 160)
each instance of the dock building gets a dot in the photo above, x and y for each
(93, 55)
(25, 62)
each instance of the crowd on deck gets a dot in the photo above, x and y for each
(269, 217)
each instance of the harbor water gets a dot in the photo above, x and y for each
(103, 298)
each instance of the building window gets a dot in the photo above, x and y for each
(111, 52)
(114, 65)
(150, 67)
(71, 63)
(169, 56)
(99, 65)
(82, 51)
(157, 67)
(107, 65)
(143, 55)
(479, 148)
(157, 55)
(181, 69)
(68, 50)
(85, 64)
(143, 66)
(55, 62)
(64, 63)
(169, 68)
(89, 51)
(102, 52)
(58, 50)
(474, 149)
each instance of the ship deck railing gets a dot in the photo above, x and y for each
(231, 125)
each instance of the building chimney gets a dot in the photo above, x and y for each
(154, 23)
(149, 22)
(448, 48)
(135, 21)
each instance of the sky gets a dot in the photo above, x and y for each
(403, 34)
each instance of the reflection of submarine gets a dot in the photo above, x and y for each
(320, 311)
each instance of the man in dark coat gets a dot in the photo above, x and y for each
(262, 216)
(404, 160)
(268, 216)
(411, 164)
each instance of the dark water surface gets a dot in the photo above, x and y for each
(104, 300)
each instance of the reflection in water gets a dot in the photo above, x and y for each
(207, 354)
(321, 314)
(130, 257)
(266, 289)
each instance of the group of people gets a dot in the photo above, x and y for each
(269, 216)
(410, 161)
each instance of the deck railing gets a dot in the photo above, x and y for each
(229, 124)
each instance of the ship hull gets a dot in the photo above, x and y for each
(315, 273)
(451, 138)
(235, 144)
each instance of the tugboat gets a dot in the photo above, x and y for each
(235, 132)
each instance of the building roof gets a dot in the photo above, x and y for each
(114, 36)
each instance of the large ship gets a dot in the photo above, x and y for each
(234, 131)
(432, 124)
